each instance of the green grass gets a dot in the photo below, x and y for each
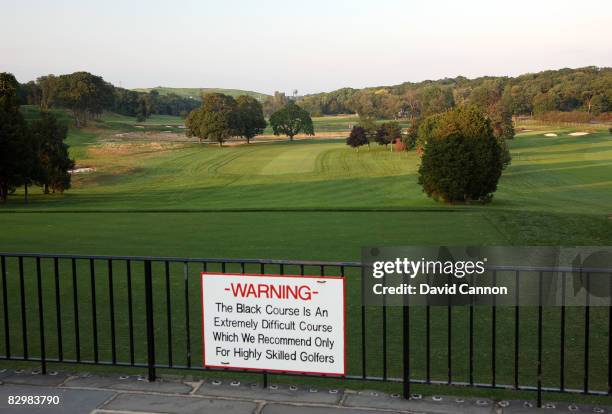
(311, 200)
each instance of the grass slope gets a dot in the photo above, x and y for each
(195, 93)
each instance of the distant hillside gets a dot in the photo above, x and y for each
(195, 93)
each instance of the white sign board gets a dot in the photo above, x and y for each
(274, 323)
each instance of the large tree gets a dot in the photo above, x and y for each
(215, 120)
(387, 132)
(249, 119)
(53, 164)
(86, 95)
(357, 137)
(15, 143)
(291, 120)
(462, 160)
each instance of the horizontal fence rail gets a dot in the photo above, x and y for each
(141, 311)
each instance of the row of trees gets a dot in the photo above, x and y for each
(221, 117)
(87, 95)
(367, 131)
(30, 154)
(586, 89)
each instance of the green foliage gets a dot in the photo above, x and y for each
(86, 95)
(387, 132)
(462, 160)
(425, 129)
(274, 103)
(358, 137)
(250, 119)
(15, 143)
(291, 120)
(52, 160)
(215, 120)
(587, 89)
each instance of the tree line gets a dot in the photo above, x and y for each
(30, 154)
(586, 89)
(221, 117)
(87, 95)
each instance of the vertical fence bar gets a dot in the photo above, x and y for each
(363, 326)
(516, 330)
(43, 356)
(540, 311)
(449, 344)
(111, 300)
(384, 325)
(24, 319)
(262, 268)
(587, 332)
(610, 338)
(58, 309)
(75, 303)
(7, 340)
(187, 323)
(494, 333)
(471, 341)
(128, 269)
(427, 342)
(168, 312)
(94, 313)
(562, 334)
(406, 350)
(150, 328)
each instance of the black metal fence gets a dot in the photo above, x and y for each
(145, 312)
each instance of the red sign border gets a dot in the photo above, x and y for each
(234, 368)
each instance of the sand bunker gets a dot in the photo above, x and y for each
(82, 170)
(578, 134)
(550, 134)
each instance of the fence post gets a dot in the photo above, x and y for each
(150, 328)
(43, 356)
(406, 349)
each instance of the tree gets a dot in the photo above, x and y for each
(357, 138)
(53, 164)
(15, 143)
(250, 119)
(291, 120)
(48, 91)
(86, 95)
(462, 160)
(387, 132)
(215, 120)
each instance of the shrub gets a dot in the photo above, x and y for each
(357, 138)
(462, 161)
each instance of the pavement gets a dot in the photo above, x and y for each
(86, 393)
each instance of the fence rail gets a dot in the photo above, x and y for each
(141, 311)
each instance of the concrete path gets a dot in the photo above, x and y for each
(84, 393)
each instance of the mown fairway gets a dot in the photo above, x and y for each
(154, 193)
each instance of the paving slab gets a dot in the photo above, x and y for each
(297, 394)
(128, 383)
(527, 407)
(434, 405)
(28, 377)
(71, 401)
(178, 405)
(296, 409)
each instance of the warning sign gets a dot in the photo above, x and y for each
(274, 323)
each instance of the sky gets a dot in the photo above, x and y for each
(312, 46)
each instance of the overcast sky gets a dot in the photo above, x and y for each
(310, 45)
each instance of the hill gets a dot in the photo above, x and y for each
(195, 93)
